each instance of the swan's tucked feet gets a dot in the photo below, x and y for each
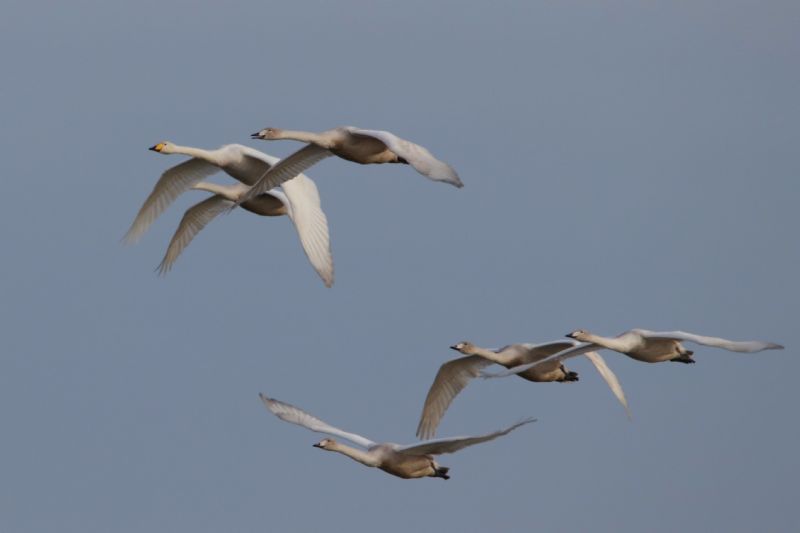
(442, 472)
(684, 358)
(568, 375)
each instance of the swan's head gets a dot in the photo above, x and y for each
(163, 147)
(464, 347)
(267, 134)
(579, 335)
(325, 444)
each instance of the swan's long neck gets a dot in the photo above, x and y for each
(297, 135)
(365, 458)
(619, 344)
(489, 354)
(231, 192)
(212, 156)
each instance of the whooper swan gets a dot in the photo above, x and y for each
(648, 346)
(454, 375)
(405, 461)
(353, 144)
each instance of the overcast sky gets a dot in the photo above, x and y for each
(626, 164)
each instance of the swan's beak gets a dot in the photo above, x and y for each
(454, 347)
(157, 148)
(316, 445)
(570, 335)
(256, 135)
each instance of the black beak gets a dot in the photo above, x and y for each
(316, 445)
(256, 135)
(570, 335)
(153, 148)
(454, 347)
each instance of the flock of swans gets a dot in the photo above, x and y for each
(259, 178)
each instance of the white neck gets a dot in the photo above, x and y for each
(212, 156)
(305, 136)
(618, 344)
(489, 354)
(365, 458)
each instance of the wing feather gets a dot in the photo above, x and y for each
(450, 380)
(309, 219)
(286, 169)
(610, 378)
(453, 444)
(717, 342)
(194, 220)
(172, 183)
(295, 415)
(417, 156)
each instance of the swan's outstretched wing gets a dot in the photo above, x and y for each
(286, 169)
(295, 415)
(610, 378)
(172, 183)
(194, 220)
(305, 210)
(734, 346)
(417, 156)
(451, 379)
(453, 444)
(535, 353)
(566, 354)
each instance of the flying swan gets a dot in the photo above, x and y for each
(648, 347)
(353, 144)
(304, 212)
(454, 375)
(300, 202)
(405, 461)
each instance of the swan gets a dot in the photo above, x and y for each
(456, 374)
(242, 163)
(301, 200)
(303, 210)
(353, 144)
(647, 346)
(405, 461)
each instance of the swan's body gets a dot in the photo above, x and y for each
(299, 200)
(353, 144)
(405, 461)
(454, 375)
(648, 346)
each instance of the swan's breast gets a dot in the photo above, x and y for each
(542, 373)
(265, 205)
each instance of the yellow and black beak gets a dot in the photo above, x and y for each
(157, 148)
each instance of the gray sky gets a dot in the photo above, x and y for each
(627, 164)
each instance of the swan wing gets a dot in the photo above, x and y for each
(734, 346)
(172, 183)
(295, 415)
(417, 156)
(453, 444)
(535, 353)
(566, 354)
(610, 378)
(450, 380)
(305, 210)
(286, 169)
(194, 220)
